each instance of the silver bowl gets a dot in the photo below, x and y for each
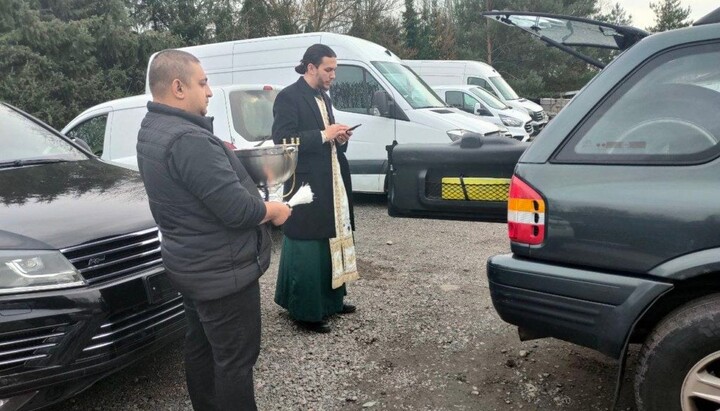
(269, 166)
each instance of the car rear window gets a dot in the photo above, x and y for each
(252, 113)
(667, 112)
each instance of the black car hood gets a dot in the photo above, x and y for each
(53, 206)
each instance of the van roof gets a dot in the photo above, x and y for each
(455, 87)
(346, 47)
(290, 49)
(469, 65)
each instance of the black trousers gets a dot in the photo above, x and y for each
(222, 344)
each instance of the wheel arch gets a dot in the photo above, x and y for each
(683, 292)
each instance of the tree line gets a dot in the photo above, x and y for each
(59, 57)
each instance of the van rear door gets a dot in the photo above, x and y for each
(465, 180)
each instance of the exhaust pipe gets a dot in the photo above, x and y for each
(526, 335)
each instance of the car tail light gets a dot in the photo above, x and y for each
(267, 88)
(230, 145)
(526, 214)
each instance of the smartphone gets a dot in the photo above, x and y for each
(354, 127)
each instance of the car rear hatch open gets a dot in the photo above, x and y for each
(567, 32)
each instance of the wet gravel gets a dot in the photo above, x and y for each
(425, 337)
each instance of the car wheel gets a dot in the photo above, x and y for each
(679, 364)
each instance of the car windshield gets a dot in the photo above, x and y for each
(23, 139)
(409, 85)
(488, 98)
(504, 88)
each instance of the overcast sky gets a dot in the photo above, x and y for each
(643, 17)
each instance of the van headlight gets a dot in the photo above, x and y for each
(36, 270)
(456, 135)
(510, 121)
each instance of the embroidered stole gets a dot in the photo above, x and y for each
(342, 247)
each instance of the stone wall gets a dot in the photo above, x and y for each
(552, 106)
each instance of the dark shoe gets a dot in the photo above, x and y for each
(315, 326)
(348, 309)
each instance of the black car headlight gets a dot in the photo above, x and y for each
(36, 270)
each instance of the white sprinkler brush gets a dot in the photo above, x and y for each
(304, 195)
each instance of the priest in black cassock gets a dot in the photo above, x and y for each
(318, 253)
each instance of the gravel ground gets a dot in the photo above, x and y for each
(425, 337)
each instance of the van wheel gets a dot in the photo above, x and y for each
(679, 364)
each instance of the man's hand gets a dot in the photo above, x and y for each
(333, 131)
(277, 212)
(344, 137)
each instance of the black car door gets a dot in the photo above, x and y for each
(465, 180)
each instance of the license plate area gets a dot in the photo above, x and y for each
(159, 288)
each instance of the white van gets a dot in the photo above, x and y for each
(457, 72)
(372, 88)
(243, 117)
(476, 100)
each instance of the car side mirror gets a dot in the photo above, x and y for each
(482, 111)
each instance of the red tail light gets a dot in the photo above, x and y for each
(230, 145)
(526, 214)
(267, 88)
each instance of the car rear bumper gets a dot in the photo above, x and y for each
(589, 308)
(56, 344)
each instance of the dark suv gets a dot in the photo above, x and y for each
(83, 291)
(614, 212)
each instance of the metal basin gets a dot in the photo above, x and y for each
(269, 166)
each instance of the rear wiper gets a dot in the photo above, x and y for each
(30, 162)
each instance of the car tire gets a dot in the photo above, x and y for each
(681, 350)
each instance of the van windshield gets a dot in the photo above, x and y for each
(252, 113)
(25, 141)
(488, 98)
(504, 88)
(409, 85)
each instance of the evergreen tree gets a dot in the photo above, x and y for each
(411, 26)
(669, 14)
(617, 15)
(372, 20)
(255, 19)
(58, 58)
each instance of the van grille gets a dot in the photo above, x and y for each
(17, 348)
(529, 127)
(116, 256)
(122, 331)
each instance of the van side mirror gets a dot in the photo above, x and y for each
(481, 111)
(471, 140)
(383, 103)
(82, 143)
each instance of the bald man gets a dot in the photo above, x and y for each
(215, 236)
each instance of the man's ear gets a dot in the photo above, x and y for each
(178, 89)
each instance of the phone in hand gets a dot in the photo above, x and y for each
(354, 127)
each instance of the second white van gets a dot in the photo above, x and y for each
(242, 118)
(477, 73)
(372, 87)
(476, 100)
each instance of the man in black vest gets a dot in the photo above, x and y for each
(215, 243)
(318, 238)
